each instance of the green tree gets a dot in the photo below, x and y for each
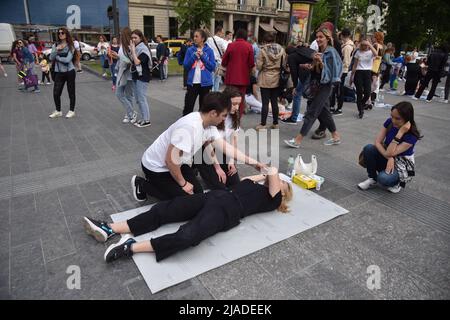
(192, 14)
(321, 13)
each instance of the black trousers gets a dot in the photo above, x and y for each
(162, 186)
(60, 79)
(341, 92)
(430, 76)
(185, 76)
(363, 83)
(385, 76)
(191, 95)
(410, 86)
(269, 94)
(45, 75)
(209, 175)
(205, 212)
(447, 86)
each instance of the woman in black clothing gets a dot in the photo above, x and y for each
(207, 213)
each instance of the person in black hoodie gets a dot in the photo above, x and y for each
(436, 64)
(413, 73)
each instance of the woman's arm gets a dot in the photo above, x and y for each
(255, 178)
(189, 58)
(208, 60)
(234, 153)
(15, 58)
(273, 180)
(396, 147)
(379, 142)
(65, 59)
(260, 61)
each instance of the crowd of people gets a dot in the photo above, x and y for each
(323, 73)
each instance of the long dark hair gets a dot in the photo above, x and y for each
(69, 39)
(140, 35)
(125, 38)
(14, 45)
(406, 111)
(231, 92)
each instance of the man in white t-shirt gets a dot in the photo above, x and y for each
(167, 162)
(219, 46)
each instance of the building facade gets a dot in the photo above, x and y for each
(156, 17)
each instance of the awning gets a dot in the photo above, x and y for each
(267, 27)
(282, 27)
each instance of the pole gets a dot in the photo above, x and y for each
(336, 16)
(115, 18)
(27, 11)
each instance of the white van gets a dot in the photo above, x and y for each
(7, 36)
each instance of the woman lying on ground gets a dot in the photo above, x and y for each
(206, 213)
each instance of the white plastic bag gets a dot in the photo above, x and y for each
(307, 169)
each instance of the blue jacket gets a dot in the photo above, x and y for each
(208, 60)
(332, 66)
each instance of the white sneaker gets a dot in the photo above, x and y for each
(6, 75)
(70, 114)
(126, 119)
(48, 83)
(414, 98)
(55, 114)
(104, 75)
(134, 119)
(445, 101)
(395, 189)
(367, 184)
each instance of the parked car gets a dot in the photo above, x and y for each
(87, 51)
(175, 45)
(7, 37)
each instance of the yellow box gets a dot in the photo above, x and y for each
(304, 181)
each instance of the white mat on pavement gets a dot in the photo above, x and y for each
(254, 233)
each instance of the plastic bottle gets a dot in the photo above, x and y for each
(290, 167)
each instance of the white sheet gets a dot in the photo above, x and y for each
(253, 233)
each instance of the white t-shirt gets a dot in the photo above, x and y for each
(76, 45)
(186, 134)
(227, 134)
(104, 50)
(222, 44)
(198, 72)
(365, 59)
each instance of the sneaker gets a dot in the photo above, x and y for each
(428, 101)
(318, 135)
(289, 121)
(104, 75)
(291, 143)
(6, 75)
(361, 114)
(134, 118)
(80, 71)
(337, 112)
(367, 184)
(98, 229)
(126, 119)
(36, 91)
(55, 114)
(40, 82)
(414, 98)
(445, 101)
(119, 249)
(332, 142)
(260, 127)
(274, 126)
(332, 109)
(289, 106)
(70, 114)
(136, 186)
(395, 189)
(142, 124)
(48, 82)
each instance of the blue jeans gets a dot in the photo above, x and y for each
(296, 101)
(102, 62)
(113, 73)
(125, 95)
(140, 91)
(217, 80)
(376, 166)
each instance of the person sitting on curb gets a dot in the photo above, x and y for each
(390, 161)
(206, 213)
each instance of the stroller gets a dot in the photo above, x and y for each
(28, 77)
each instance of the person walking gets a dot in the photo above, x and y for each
(102, 50)
(77, 46)
(140, 73)
(62, 56)
(219, 46)
(162, 55)
(17, 56)
(28, 63)
(200, 62)
(239, 61)
(326, 69)
(270, 61)
(113, 51)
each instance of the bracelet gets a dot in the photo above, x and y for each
(398, 140)
(185, 183)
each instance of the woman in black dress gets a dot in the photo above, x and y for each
(207, 214)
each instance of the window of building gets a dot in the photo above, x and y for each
(262, 3)
(149, 27)
(280, 4)
(173, 28)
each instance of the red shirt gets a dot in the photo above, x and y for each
(239, 60)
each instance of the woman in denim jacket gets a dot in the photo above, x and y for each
(325, 70)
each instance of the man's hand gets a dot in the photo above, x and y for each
(259, 166)
(390, 166)
(188, 188)
(221, 174)
(232, 169)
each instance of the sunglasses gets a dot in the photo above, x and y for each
(61, 32)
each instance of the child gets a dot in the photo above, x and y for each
(3, 69)
(45, 68)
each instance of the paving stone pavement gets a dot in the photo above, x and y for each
(53, 172)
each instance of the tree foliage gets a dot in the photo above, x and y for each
(192, 14)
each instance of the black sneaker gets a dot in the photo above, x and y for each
(332, 109)
(142, 124)
(361, 114)
(289, 121)
(319, 135)
(98, 229)
(337, 112)
(119, 249)
(136, 186)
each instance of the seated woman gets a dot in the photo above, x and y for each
(390, 162)
(223, 174)
(206, 213)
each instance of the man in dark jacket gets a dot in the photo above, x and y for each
(162, 56)
(297, 56)
(180, 57)
(436, 64)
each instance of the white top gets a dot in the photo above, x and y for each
(314, 45)
(229, 131)
(76, 45)
(186, 134)
(198, 72)
(103, 50)
(365, 59)
(221, 43)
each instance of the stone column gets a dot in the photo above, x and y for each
(212, 26)
(230, 23)
(256, 32)
(272, 22)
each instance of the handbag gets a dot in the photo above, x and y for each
(376, 64)
(31, 80)
(361, 160)
(311, 88)
(284, 76)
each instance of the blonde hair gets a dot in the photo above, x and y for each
(286, 197)
(327, 33)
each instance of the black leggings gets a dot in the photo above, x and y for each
(363, 84)
(191, 95)
(60, 79)
(163, 186)
(205, 213)
(433, 76)
(269, 94)
(209, 175)
(45, 75)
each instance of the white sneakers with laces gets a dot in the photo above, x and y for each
(367, 184)
(55, 114)
(70, 114)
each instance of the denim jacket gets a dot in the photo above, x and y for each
(332, 66)
(63, 59)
